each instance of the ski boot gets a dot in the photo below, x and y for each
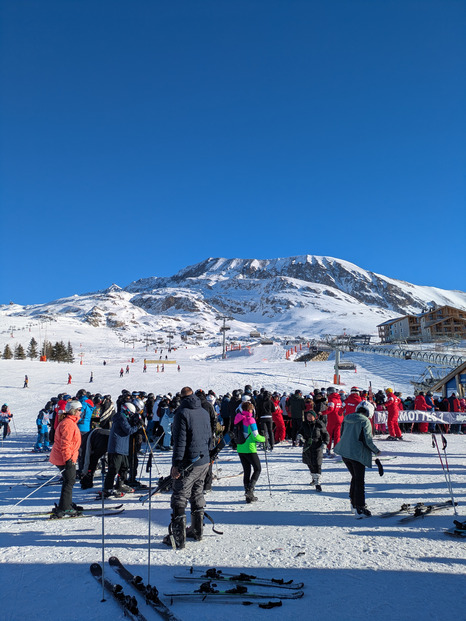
(317, 478)
(125, 489)
(362, 512)
(197, 525)
(58, 513)
(176, 532)
(250, 494)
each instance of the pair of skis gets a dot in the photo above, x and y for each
(418, 510)
(206, 592)
(218, 575)
(130, 603)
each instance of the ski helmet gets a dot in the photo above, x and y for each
(366, 408)
(129, 408)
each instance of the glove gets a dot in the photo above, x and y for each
(379, 466)
(70, 463)
(300, 438)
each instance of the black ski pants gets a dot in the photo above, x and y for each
(266, 430)
(295, 425)
(250, 461)
(313, 458)
(68, 473)
(117, 464)
(358, 472)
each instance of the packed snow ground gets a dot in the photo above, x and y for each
(376, 568)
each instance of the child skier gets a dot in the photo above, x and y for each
(315, 437)
(43, 424)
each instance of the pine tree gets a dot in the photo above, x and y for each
(59, 352)
(69, 353)
(7, 353)
(32, 349)
(19, 352)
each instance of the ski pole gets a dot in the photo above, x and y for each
(102, 467)
(149, 470)
(448, 481)
(444, 447)
(266, 460)
(33, 492)
(151, 451)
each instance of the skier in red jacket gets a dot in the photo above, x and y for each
(393, 409)
(421, 405)
(334, 414)
(352, 401)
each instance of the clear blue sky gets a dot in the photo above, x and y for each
(140, 137)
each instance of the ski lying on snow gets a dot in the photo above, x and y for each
(38, 484)
(241, 578)
(423, 510)
(150, 593)
(128, 603)
(108, 508)
(49, 517)
(459, 533)
(208, 590)
(404, 508)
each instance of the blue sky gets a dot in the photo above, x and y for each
(140, 137)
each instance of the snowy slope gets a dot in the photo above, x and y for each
(377, 568)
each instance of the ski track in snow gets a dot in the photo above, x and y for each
(376, 568)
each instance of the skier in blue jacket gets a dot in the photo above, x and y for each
(125, 422)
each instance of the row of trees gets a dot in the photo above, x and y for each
(58, 352)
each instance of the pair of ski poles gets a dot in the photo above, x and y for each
(445, 467)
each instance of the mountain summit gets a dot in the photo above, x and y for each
(306, 295)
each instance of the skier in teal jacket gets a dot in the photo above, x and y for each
(356, 448)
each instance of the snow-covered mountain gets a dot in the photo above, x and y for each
(303, 295)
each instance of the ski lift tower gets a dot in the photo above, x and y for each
(223, 329)
(170, 338)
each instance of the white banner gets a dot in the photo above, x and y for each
(417, 416)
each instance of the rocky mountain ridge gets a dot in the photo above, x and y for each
(309, 295)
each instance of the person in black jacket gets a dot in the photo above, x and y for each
(265, 419)
(125, 423)
(192, 441)
(209, 408)
(315, 437)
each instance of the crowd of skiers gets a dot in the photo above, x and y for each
(84, 428)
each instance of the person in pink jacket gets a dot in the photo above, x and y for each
(64, 455)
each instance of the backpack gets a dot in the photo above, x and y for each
(237, 434)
